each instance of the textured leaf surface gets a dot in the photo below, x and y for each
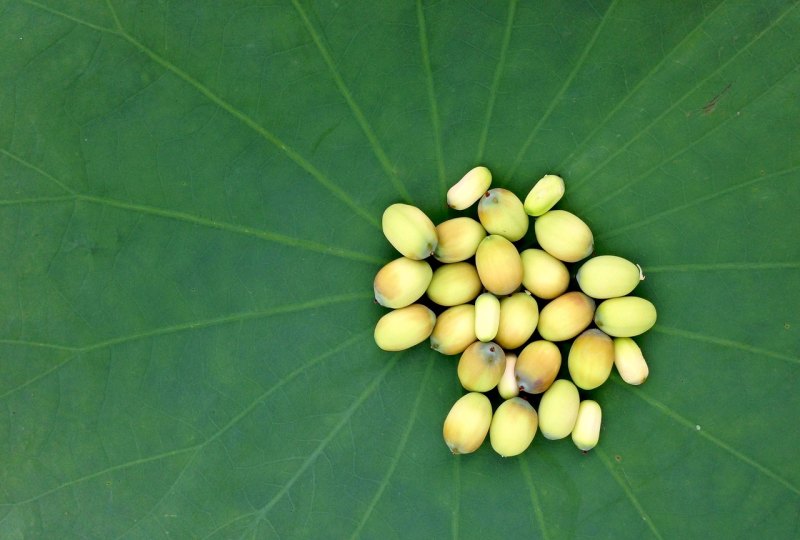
(190, 195)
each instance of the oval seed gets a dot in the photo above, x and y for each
(558, 410)
(405, 327)
(591, 357)
(537, 366)
(543, 275)
(467, 423)
(499, 265)
(454, 284)
(608, 276)
(519, 315)
(454, 330)
(481, 366)
(409, 230)
(564, 235)
(625, 317)
(458, 239)
(487, 316)
(469, 189)
(566, 316)
(586, 432)
(402, 282)
(513, 427)
(544, 195)
(501, 212)
(629, 361)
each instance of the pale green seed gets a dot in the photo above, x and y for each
(501, 212)
(625, 317)
(586, 432)
(513, 427)
(558, 410)
(608, 276)
(544, 195)
(405, 327)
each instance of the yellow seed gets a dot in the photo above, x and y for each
(625, 317)
(499, 265)
(544, 195)
(402, 282)
(590, 359)
(564, 236)
(458, 239)
(537, 366)
(481, 366)
(409, 230)
(454, 284)
(543, 275)
(501, 212)
(487, 316)
(454, 330)
(519, 314)
(508, 387)
(586, 432)
(629, 360)
(467, 423)
(558, 410)
(405, 327)
(513, 427)
(566, 316)
(608, 276)
(469, 189)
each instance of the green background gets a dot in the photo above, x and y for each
(190, 204)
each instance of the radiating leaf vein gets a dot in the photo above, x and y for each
(564, 86)
(348, 97)
(704, 433)
(628, 491)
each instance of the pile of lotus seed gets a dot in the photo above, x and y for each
(480, 263)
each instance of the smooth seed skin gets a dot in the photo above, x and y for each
(608, 276)
(513, 427)
(454, 284)
(469, 189)
(519, 315)
(590, 359)
(508, 387)
(501, 212)
(467, 423)
(405, 327)
(537, 366)
(625, 317)
(543, 275)
(586, 432)
(564, 235)
(454, 330)
(481, 366)
(499, 265)
(629, 361)
(558, 410)
(402, 282)
(458, 239)
(409, 230)
(566, 316)
(487, 316)
(544, 195)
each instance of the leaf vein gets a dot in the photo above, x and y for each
(434, 107)
(628, 492)
(560, 94)
(680, 100)
(498, 74)
(356, 110)
(664, 409)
